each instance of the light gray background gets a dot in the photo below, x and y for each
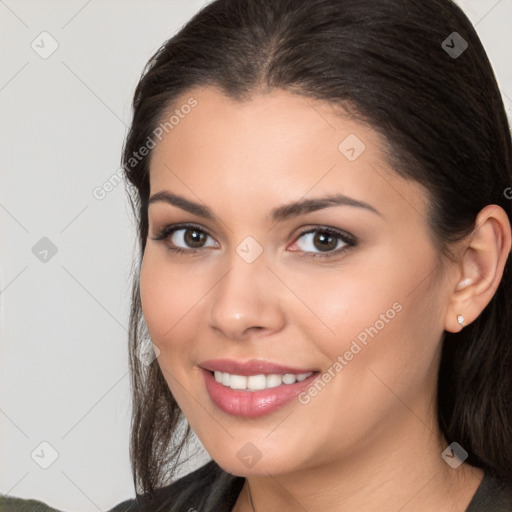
(63, 365)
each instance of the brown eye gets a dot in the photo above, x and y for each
(324, 242)
(182, 238)
(193, 237)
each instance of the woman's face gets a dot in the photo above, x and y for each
(274, 280)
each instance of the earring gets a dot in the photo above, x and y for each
(460, 319)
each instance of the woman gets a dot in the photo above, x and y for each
(325, 270)
(320, 189)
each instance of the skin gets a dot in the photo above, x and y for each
(369, 440)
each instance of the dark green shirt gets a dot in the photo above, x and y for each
(210, 489)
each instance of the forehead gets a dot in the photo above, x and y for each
(275, 120)
(274, 146)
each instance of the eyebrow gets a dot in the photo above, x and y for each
(277, 214)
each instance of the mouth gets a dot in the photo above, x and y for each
(254, 388)
(258, 382)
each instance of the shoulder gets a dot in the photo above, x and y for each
(493, 495)
(208, 488)
(12, 504)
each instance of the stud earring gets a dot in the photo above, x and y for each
(460, 319)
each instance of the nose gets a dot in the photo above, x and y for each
(246, 302)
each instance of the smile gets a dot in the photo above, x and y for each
(258, 382)
(254, 388)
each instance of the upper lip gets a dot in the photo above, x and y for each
(252, 367)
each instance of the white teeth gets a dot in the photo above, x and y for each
(237, 382)
(288, 378)
(258, 382)
(226, 380)
(274, 381)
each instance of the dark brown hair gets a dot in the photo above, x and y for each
(444, 122)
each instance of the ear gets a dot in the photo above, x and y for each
(480, 267)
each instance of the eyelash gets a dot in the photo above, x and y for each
(349, 240)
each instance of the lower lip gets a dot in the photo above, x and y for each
(252, 404)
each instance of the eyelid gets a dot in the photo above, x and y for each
(169, 229)
(349, 240)
(305, 230)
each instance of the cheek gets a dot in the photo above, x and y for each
(385, 313)
(354, 302)
(167, 297)
(382, 354)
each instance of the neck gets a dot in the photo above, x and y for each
(400, 469)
